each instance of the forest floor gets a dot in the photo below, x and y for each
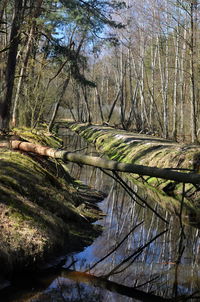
(140, 149)
(43, 210)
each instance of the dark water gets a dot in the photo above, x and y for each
(167, 267)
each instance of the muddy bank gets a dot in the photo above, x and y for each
(150, 151)
(44, 211)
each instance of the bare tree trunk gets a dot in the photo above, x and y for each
(34, 15)
(5, 106)
(99, 104)
(142, 117)
(122, 116)
(154, 51)
(57, 104)
(164, 86)
(114, 104)
(3, 38)
(89, 117)
(193, 8)
(134, 108)
(176, 44)
(141, 76)
(21, 76)
(182, 85)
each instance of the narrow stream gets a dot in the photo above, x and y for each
(168, 267)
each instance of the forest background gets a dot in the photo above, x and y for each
(132, 64)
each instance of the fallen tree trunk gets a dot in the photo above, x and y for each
(98, 162)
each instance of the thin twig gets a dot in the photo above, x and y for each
(149, 281)
(125, 187)
(139, 250)
(140, 198)
(117, 246)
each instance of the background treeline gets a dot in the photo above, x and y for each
(152, 78)
(70, 59)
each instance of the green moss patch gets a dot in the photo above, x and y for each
(150, 151)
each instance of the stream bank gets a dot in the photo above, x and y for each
(134, 148)
(44, 211)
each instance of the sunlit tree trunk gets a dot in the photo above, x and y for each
(181, 81)
(176, 44)
(164, 85)
(5, 106)
(34, 15)
(98, 97)
(57, 104)
(3, 40)
(21, 76)
(86, 100)
(131, 90)
(154, 52)
(142, 106)
(122, 71)
(193, 12)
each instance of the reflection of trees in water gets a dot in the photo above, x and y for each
(69, 292)
(160, 259)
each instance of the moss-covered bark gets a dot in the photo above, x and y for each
(149, 151)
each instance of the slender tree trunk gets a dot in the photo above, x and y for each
(166, 108)
(164, 86)
(89, 117)
(134, 107)
(131, 92)
(142, 94)
(21, 76)
(152, 96)
(114, 104)
(3, 45)
(99, 104)
(192, 70)
(182, 84)
(122, 116)
(174, 128)
(57, 105)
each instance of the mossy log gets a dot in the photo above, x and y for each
(165, 173)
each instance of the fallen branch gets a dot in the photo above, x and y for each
(103, 163)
